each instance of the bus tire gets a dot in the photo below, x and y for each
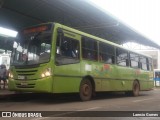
(136, 88)
(85, 91)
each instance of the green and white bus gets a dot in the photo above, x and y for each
(53, 58)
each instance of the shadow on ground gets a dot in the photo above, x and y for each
(59, 98)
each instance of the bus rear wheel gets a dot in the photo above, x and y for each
(136, 88)
(85, 90)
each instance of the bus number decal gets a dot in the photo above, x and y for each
(88, 67)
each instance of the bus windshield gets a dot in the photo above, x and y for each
(32, 49)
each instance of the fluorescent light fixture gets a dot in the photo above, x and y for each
(8, 32)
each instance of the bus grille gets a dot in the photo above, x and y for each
(26, 72)
(25, 86)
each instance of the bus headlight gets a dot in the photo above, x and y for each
(46, 73)
(10, 75)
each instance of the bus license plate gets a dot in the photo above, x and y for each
(21, 77)
(24, 83)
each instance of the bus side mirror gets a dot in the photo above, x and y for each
(15, 44)
(58, 50)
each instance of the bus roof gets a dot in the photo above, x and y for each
(99, 39)
(89, 35)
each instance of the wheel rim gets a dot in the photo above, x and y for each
(86, 90)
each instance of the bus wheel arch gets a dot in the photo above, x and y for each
(87, 88)
(136, 88)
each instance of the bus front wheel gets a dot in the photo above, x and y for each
(85, 90)
(135, 89)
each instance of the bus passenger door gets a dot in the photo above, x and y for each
(67, 63)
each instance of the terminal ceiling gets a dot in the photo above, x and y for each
(79, 14)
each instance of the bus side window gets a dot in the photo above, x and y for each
(143, 61)
(58, 42)
(89, 49)
(67, 50)
(122, 57)
(150, 64)
(134, 60)
(106, 53)
(70, 47)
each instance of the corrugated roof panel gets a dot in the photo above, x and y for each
(79, 14)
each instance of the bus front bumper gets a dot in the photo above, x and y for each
(38, 85)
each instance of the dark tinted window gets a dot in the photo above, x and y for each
(67, 50)
(106, 53)
(89, 48)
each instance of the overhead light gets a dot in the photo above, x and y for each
(8, 32)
